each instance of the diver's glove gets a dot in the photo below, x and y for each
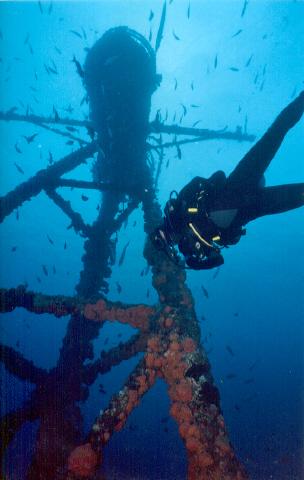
(214, 259)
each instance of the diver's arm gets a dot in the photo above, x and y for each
(214, 259)
(252, 167)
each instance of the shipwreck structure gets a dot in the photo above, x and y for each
(120, 77)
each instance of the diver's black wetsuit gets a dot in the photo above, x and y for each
(220, 206)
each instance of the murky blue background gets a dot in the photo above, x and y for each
(256, 302)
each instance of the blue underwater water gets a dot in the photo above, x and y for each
(255, 303)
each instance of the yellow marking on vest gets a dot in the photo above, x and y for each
(199, 235)
(216, 238)
(192, 210)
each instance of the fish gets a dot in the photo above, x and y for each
(179, 152)
(247, 381)
(40, 7)
(196, 123)
(45, 271)
(142, 272)
(249, 61)
(26, 40)
(192, 86)
(118, 286)
(19, 168)
(217, 271)
(148, 293)
(236, 314)
(262, 85)
(13, 249)
(256, 78)
(123, 253)
(78, 67)
(52, 70)
(46, 69)
(38, 279)
(30, 48)
(184, 109)
(30, 138)
(50, 159)
(50, 8)
(50, 240)
(151, 15)
(175, 36)
(55, 114)
(244, 8)
(34, 89)
(230, 376)
(76, 33)
(84, 198)
(215, 62)
(205, 291)
(237, 33)
(234, 69)
(101, 389)
(203, 318)
(237, 408)
(245, 123)
(69, 142)
(193, 105)
(84, 33)
(58, 50)
(71, 129)
(188, 10)
(264, 36)
(229, 350)
(175, 84)
(160, 31)
(65, 246)
(150, 34)
(54, 269)
(17, 148)
(84, 99)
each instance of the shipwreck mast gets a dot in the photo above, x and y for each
(120, 77)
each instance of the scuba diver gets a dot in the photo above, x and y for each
(209, 214)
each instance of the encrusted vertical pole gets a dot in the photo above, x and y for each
(120, 77)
